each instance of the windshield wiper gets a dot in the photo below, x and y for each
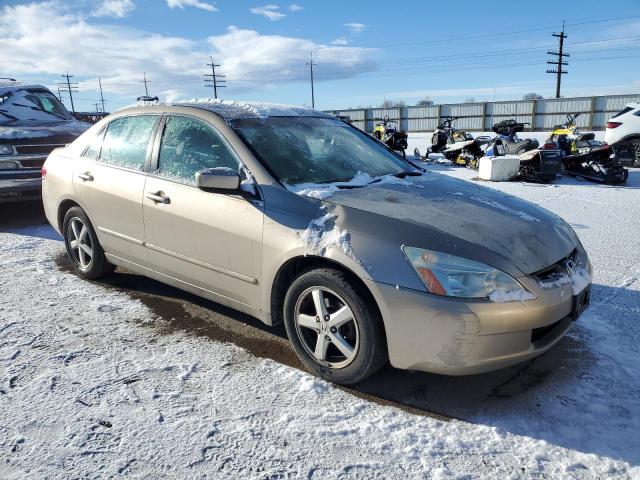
(9, 116)
(39, 109)
(407, 173)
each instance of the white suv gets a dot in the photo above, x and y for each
(623, 133)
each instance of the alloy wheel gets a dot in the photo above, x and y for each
(80, 243)
(327, 327)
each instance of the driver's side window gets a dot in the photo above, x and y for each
(189, 145)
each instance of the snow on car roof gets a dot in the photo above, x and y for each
(13, 86)
(233, 109)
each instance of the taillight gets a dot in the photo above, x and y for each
(549, 146)
(43, 172)
(613, 124)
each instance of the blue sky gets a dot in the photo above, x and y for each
(366, 51)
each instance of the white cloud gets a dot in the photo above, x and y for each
(272, 12)
(253, 58)
(114, 8)
(294, 7)
(192, 3)
(340, 41)
(40, 41)
(355, 27)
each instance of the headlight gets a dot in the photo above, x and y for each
(6, 150)
(452, 276)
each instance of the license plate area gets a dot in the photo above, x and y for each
(580, 303)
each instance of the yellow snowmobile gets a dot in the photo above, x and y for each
(584, 156)
(385, 131)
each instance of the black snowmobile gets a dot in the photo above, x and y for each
(458, 146)
(386, 131)
(540, 165)
(584, 156)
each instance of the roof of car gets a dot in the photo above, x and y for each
(7, 86)
(233, 109)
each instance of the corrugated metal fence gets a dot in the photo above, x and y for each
(540, 114)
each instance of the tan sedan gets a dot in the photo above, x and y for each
(291, 215)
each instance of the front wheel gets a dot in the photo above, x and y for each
(83, 247)
(333, 326)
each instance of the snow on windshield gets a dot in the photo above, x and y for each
(30, 105)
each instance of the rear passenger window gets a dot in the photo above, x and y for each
(190, 145)
(622, 112)
(125, 143)
(93, 150)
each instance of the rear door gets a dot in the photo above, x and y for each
(109, 180)
(210, 240)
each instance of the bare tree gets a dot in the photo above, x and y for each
(392, 103)
(425, 102)
(532, 96)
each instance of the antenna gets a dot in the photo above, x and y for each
(145, 81)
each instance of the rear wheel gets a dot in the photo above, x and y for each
(83, 247)
(333, 326)
(635, 151)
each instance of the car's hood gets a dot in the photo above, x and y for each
(64, 131)
(529, 237)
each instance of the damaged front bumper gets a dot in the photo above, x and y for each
(461, 336)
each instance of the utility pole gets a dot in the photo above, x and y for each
(145, 81)
(70, 87)
(101, 97)
(311, 64)
(97, 106)
(213, 79)
(559, 62)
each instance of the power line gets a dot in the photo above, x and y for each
(145, 81)
(559, 63)
(101, 96)
(214, 80)
(71, 87)
(311, 64)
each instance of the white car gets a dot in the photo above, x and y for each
(623, 133)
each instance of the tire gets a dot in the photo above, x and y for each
(635, 151)
(83, 248)
(321, 343)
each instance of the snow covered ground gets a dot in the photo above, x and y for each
(115, 378)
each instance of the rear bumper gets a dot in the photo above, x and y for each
(459, 337)
(20, 185)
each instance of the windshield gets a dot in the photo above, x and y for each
(33, 105)
(315, 149)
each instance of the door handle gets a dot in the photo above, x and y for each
(85, 177)
(158, 197)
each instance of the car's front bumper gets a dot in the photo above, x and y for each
(458, 337)
(20, 185)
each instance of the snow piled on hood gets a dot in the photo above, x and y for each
(321, 191)
(505, 208)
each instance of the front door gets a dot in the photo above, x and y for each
(109, 180)
(210, 240)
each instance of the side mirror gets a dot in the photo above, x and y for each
(220, 178)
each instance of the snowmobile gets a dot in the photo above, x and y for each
(584, 156)
(540, 165)
(386, 131)
(456, 145)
